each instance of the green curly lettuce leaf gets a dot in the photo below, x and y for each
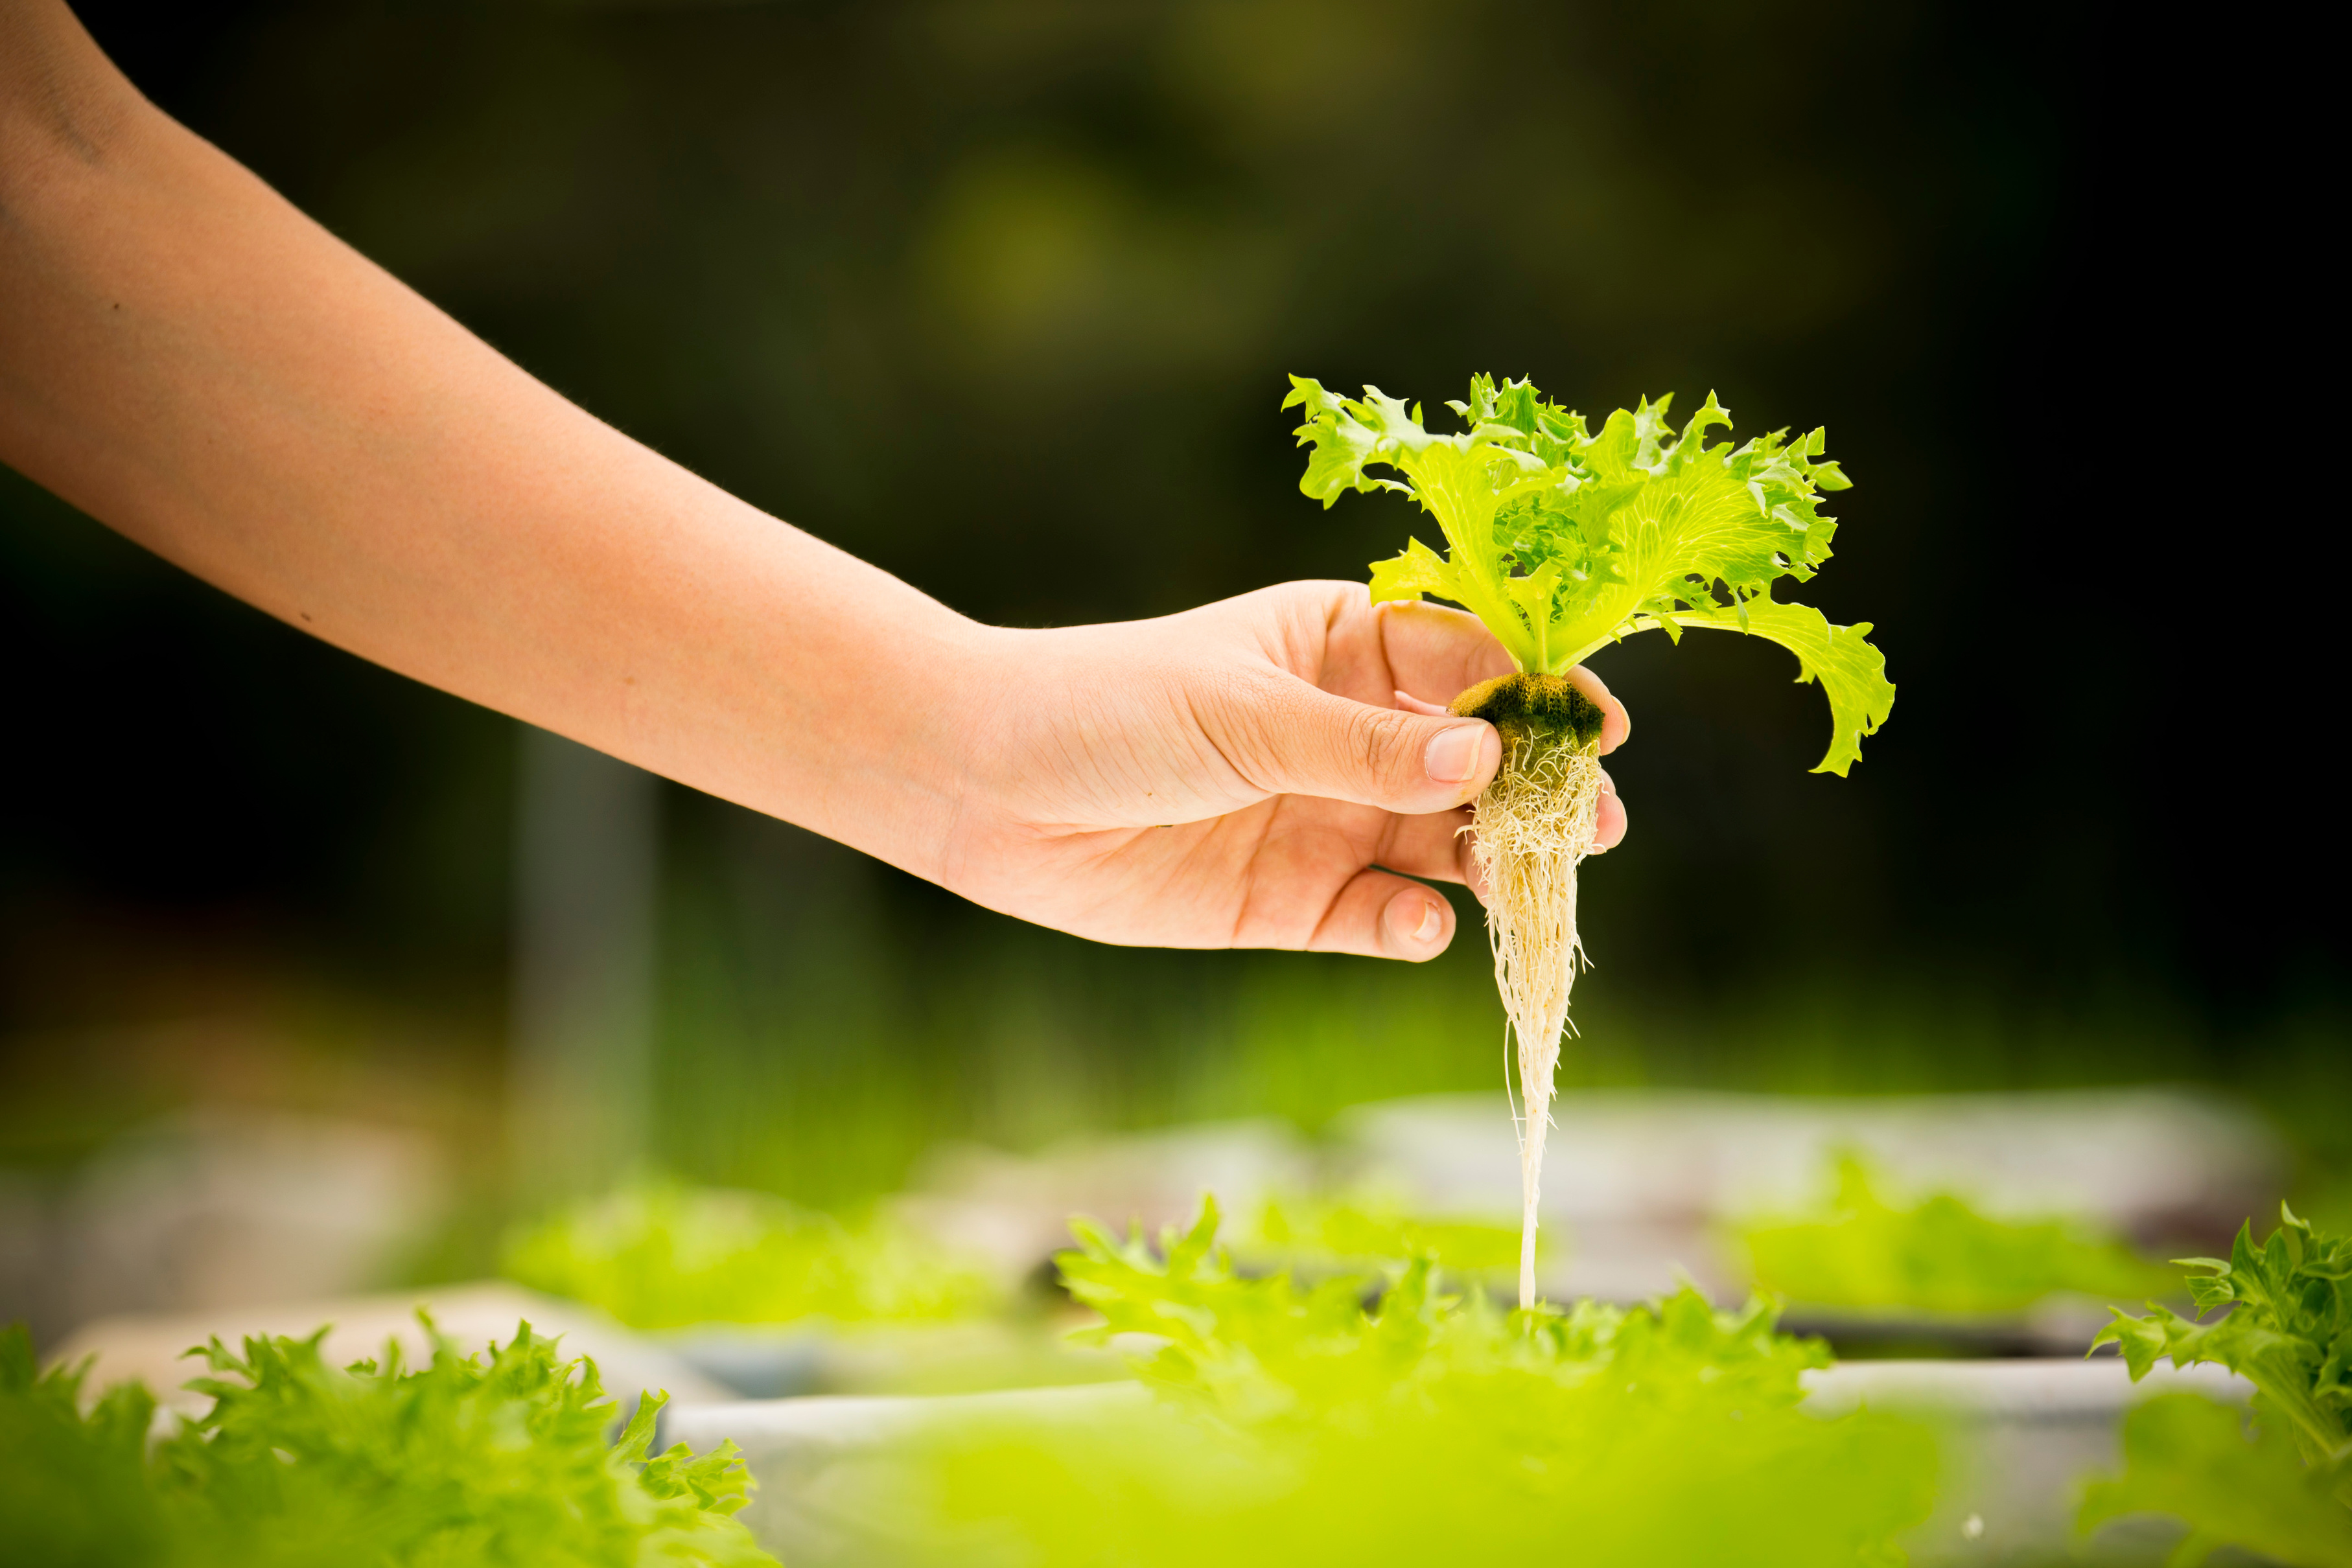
(1378, 1417)
(1563, 540)
(74, 1486)
(1257, 1344)
(2285, 1327)
(2287, 1331)
(2196, 1459)
(497, 1460)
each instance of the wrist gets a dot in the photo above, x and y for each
(959, 696)
(889, 741)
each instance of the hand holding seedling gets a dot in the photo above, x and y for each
(187, 357)
(1253, 773)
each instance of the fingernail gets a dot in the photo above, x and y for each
(1416, 919)
(1455, 752)
(1433, 924)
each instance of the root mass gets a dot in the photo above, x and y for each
(1533, 828)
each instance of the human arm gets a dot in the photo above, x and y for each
(189, 358)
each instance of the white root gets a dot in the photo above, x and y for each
(1535, 825)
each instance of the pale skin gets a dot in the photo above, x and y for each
(188, 359)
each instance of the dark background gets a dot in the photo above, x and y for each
(1001, 296)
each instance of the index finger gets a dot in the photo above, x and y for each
(1616, 723)
(1435, 653)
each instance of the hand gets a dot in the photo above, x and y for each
(1255, 773)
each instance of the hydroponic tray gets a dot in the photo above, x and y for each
(2018, 1438)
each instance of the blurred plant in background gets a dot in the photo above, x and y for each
(1312, 1236)
(657, 1254)
(1937, 1255)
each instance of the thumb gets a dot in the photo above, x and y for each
(1299, 739)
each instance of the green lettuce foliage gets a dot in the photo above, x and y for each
(1937, 1255)
(2235, 1483)
(1250, 1348)
(2286, 1489)
(662, 1255)
(1298, 1424)
(75, 1490)
(494, 1459)
(1563, 540)
(2287, 1331)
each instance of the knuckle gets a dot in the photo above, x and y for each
(1375, 740)
(1256, 724)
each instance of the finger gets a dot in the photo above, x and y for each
(1616, 723)
(1417, 851)
(1435, 847)
(1472, 877)
(1381, 915)
(1437, 653)
(1287, 737)
(1609, 825)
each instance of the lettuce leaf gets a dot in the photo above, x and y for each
(2287, 1331)
(661, 1254)
(2195, 1460)
(1563, 540)
(1381, 1417)
(496, 1458)
(499, 1458)
(2286, 1328)
(1323, 1234)
(73, 1483)
(1252, 1347)
(1937, 1255)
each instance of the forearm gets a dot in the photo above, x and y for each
(190, 359)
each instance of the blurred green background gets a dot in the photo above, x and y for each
(1001, 296)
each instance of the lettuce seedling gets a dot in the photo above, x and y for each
(2283, 1489)
(74, 1484)
(1381, 1417)
(661, 1254)
(2233, 1483)
(1563, 540)
(1248, 1347)
(499, 1458)
(1937, 1254)
(2286, 1328)
(1322, 1236)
